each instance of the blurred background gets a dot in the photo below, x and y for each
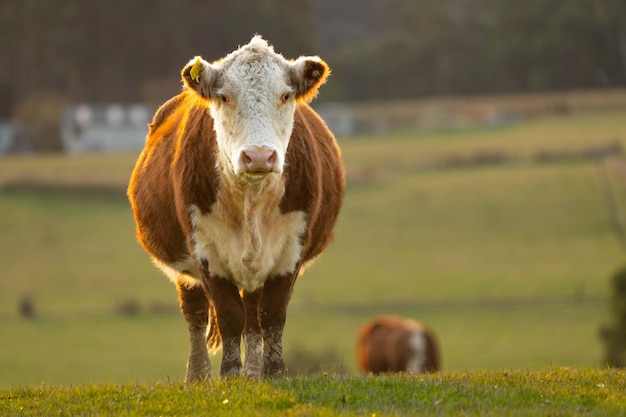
(483, 141)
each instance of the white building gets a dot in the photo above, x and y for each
(104, 127)
(14, 138)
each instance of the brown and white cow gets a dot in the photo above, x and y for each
(237, 189)
(394, 344)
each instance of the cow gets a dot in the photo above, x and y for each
(394, 344)
(235, 193)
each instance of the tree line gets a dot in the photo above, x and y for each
(433, 47)
(133, 50)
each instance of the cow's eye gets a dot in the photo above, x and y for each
(285, 97)
(224, 98)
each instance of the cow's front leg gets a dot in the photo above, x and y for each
(272, 314)
(230, 320)
(194, 305)
(253, 363)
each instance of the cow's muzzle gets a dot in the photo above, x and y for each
(258, 160)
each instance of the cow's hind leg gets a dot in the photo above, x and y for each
(253, 364)
(272, 314)
(194, 305)
(230, 319)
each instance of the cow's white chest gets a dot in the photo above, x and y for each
(248, 248)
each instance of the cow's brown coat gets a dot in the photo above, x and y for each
(383, 346)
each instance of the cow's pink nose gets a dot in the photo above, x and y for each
(259, 159)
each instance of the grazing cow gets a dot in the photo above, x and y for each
(238, 188)
(394, 344)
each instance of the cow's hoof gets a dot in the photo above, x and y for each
(230, 371)
(276, 370)
(198, 369)
(197, 377)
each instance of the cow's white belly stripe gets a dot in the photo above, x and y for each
(230, 254)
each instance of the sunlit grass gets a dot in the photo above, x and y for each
(552, 391)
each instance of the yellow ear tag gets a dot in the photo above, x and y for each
(195, 70)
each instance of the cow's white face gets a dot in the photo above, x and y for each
(253, 94)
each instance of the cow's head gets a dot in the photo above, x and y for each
(253, 94)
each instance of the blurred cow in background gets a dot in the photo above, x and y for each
(394, 344)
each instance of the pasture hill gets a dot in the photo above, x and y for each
(507, 258)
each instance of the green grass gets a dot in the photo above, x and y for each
(382, 153)
(72, 250)
(99, 348)
(510, 264)
(105, 348)
(553, 391)
(471, 337)
(491, 232)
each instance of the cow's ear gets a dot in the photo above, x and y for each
(200, 76)
(308, 73)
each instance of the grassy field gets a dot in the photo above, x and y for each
(510, 263)
(550, 392)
